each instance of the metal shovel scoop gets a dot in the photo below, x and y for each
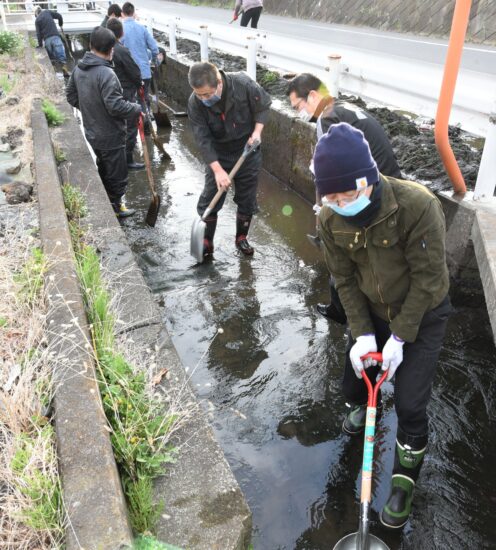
(363, 540)
(199, 225)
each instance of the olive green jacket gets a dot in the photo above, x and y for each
(396, 266)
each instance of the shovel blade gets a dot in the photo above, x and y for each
(314, 240)
(162, 119)
(197, 236)
(352, 542)
(152, 214)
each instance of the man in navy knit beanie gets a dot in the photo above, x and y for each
(384, 242)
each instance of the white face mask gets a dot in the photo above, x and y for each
(305, 115)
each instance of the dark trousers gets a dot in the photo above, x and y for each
(413, 378)
(112, 167)
(132, 123)
(252, 15)
(245, 183)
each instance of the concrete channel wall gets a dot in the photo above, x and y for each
(204, 508)
(287, 145)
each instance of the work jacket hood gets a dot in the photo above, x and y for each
(91, 60)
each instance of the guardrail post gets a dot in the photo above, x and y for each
(2, 16)
(172, 37)
(204, 43)
(334, 68)
(486, 182)
(251, 58)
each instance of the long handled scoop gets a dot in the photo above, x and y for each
(363, 540)
(146, 114)
(152, 214)
(199, 225)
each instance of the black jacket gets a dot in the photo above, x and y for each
(95, 90)
(45, 25)
(127, 71)
(228, 129)
(380, 146)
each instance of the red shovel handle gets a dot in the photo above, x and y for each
(373, 390)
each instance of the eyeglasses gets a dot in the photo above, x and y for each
(296, 106)
(345, 197)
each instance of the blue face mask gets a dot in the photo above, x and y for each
(352, 208)
(211, 100)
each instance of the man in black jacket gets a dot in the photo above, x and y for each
(226, 111)
(46, 31)
(129, 76)
(113, 12)
(94, 89)
(310, 97)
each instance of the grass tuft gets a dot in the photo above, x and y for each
(74, 201)
(53, 115)
(10, 42)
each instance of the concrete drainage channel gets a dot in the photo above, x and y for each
(201, 477)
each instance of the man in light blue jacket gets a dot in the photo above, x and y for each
(139, 41)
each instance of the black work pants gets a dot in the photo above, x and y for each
(413, 378)
(112, 167)
(132, 123)
(252, 15)
(245, 183)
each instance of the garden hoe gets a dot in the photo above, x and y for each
(158, 143)
(363, 540)
(199, 225)
(152, 214)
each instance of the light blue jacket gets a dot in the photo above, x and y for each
(138, 40)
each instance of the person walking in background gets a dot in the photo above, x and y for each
(129, 76)
(113, 11)
(252, 9)
(94, 89)
(384, 242)
(226, 111)
(311, 99)
(46, 31)
(139, 42)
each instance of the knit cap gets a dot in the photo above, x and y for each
(342, 161)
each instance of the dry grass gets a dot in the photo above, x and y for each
(29, 482)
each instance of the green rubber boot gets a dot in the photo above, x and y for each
(408, 459)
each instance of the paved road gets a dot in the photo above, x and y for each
(477, 58)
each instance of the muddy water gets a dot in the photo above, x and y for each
(270, 382)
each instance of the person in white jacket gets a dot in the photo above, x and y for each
(252, 9)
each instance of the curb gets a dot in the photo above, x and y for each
(93, 496)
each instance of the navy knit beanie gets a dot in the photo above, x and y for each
(342, 161)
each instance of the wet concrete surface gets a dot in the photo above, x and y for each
(271, 380)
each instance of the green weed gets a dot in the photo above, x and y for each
(10, 42)
(3, 322)
(30, 279)
(59, 154)
(7, 83)
(150, 543)
(33, 42)
(53, 115)
(40, 488)
(74, 201)
(138, 424)
(269, 78)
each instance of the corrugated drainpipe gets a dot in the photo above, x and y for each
(455, 48)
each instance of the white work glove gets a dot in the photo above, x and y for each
(363, 345)
(392, 355)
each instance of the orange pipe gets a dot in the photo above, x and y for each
(455, 48)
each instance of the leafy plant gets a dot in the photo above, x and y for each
(40, 487)
(151, 543)
(10, 42)
(33, 42)
(53, 115)
(59, 154)
(30, 279)
(74, 201)
(7, 83)
(138, 424)
(268, 78)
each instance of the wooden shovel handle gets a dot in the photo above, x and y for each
(247, 150)
(141, 130)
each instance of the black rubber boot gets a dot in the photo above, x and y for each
(408, 459)
(335, 309)
(242, 227)
(208, 239)
(354, 422)
(131, 165)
